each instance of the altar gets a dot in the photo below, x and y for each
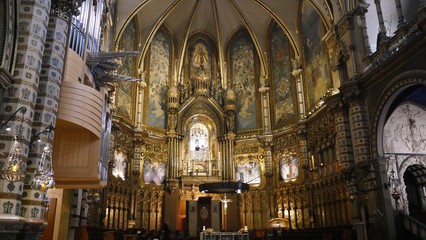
(224, 236)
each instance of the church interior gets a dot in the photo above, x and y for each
(212, 119)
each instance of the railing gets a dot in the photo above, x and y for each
(413, 226)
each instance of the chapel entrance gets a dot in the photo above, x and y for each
(415, 183)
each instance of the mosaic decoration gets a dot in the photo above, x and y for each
(125, 89)
(317, 72)
(154, 172)
(289, 167)
(284, 108)
(200, 54)
(405, 130)
(158, 79)
(243, 78)
(248, 172)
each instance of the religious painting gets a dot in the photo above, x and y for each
(289, 167)
(243, 79)
(125, 89)
(154, 172)
(405, 130)
(317, 72)
(120, 160)
(284, 108)
(158, 80)
(200, 55)
(248, 172)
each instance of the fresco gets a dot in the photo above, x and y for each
(158, 80)
(200, 54)
(125, 89)
(119, 171)
(317, 72)
(243, 73)
(405, 130)
(281, 70)
(154, 172)
(248, 172)
(289, 167)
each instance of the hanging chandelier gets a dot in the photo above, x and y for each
(14, 168)
(43, 178)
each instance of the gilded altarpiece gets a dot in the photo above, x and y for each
(244, 75)
(158, 77)
(249, 165)
(154, 163)
(283, 85)
(126, 91)
(316, 65)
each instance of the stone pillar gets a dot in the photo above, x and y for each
(361, 11)
(302, 135)
(140, 99)
(33, 19)
(298, 76)
(359, 124)
(382, 28)
(266, 111)
(47, 101)
(344, 150)
(266, 141)
(401, 19)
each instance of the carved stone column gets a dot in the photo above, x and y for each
(298, 76)
(302, 135)
(173, 138)
(33, 20)
(359, 122)
(401, 19)
(361, 11)
(266, 110)
(382, 28)
(48, 95)
(266, 141)
(140, 99)
(344, 150)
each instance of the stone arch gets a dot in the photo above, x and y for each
(201, 106)
(208, 40)
(392, 91)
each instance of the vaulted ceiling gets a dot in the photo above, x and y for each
(217, 18)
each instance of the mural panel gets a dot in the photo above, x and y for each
(281, 70)
(248, 172)
(317, 72)
(119, 171)
(154, 172)
(200, 54)
(289, 167)
(243, 78)
(405, 130)
(125, 89)
(158, 80)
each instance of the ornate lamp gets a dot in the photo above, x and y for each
(14, 168)
(43, 178)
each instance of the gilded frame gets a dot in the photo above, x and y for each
(200, 35)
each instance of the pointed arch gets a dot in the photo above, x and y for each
(283, 87)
